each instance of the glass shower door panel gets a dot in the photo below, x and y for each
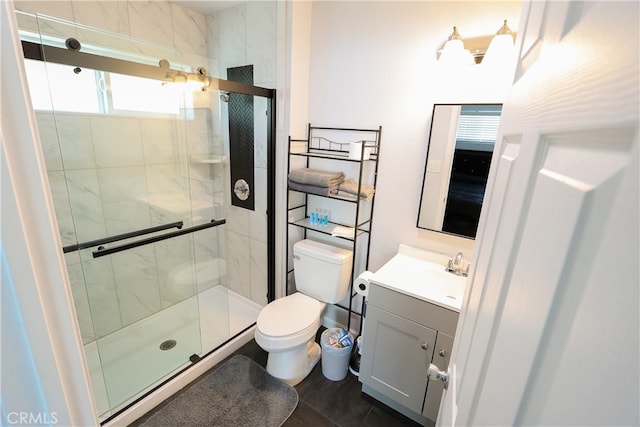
(137, 358)
(127, 155)
(158, 307)
(213, 296)
(119, 172)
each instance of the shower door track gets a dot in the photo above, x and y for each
(102, 251)
(42, 52)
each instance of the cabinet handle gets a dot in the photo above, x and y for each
(425, 346)
(442, 353)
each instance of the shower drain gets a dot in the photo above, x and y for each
(168, 344)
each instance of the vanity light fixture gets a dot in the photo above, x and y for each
(499, 48)
(502, 49)
(453, 53)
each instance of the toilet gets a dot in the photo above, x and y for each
(286, 328)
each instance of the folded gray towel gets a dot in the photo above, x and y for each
(316, 177)
(313, 189)
(351, 186)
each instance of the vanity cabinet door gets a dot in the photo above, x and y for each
(441, 355)
(395, 357)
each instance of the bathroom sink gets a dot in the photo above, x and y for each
(423, 275)
(444, 287)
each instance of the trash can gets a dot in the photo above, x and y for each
(336, 344)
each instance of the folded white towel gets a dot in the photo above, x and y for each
(351, 186)
(340, 231)
(352, 196)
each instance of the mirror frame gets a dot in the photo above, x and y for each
(426, 169)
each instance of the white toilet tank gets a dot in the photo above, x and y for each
(322, 271)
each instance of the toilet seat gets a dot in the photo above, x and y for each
(288, 321)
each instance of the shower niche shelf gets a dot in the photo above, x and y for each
(355, 153)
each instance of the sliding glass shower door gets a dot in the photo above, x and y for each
(140, 207)
(137, 236)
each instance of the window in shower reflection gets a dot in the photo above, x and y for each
(47, 97)
(101, 92)
(138, 94)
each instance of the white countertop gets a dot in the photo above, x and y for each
(422, 274)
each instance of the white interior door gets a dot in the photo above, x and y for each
(549, 331)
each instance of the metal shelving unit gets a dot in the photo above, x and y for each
(329, 147)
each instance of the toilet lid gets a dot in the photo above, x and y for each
(289, 315)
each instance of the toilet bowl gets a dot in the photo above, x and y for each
(286, 327)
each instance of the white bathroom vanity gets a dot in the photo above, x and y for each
(412, 313)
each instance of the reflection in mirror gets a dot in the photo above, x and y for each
(461, 144)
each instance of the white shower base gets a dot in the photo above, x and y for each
(132, 360)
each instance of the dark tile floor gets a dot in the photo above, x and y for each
(323, 402)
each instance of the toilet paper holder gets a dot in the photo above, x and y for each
(361, 283)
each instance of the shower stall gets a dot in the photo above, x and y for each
(148, 157)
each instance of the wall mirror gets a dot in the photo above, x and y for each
(461, 142)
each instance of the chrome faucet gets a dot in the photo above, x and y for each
(455, 265)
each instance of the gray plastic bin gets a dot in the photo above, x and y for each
(335, 361)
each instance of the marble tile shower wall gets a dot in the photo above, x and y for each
(122, 174)
(245, 35)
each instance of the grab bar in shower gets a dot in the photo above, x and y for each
(102, 251)
(117, 237)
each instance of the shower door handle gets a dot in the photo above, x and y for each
(117, 237)
(102, 251)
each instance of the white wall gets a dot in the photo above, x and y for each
(374, 63)
(283, 101)
(300, 62)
